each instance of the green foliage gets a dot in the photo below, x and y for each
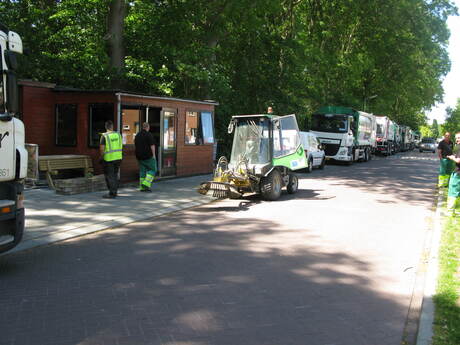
(435, 129)
(425, 132)
(452, 123)
(294, 55)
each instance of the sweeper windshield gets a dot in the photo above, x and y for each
(251, 141)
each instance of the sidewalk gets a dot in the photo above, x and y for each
(51, 217)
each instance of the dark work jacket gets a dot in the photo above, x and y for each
(143, 141)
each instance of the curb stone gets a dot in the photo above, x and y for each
(425, 331)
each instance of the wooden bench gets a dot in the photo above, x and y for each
(53, 164)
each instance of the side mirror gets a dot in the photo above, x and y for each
(231, 126)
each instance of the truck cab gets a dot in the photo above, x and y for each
(13, 155)
(385, 135)
(347, 135)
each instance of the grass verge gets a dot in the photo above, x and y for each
(447, 299)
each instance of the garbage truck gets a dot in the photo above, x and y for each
(406, 138)
(13, 154)
(398, 138)
(347, 135)
(385, 135)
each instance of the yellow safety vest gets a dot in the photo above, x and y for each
(113, 149)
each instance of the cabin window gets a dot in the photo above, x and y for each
(199, 128)
(99, 113)
(130, 125)
(66, 125)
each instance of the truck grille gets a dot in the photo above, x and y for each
(331, 149)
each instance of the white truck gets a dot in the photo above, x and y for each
(13, 155)
(385, 135)
(398, 138)
(347, 135)
(406, 138)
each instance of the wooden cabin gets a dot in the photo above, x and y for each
(64, 121)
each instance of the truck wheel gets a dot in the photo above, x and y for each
(365, 156)
(350, 162)
(293, 184)
(310, 165)
(323, 163)
(270, 186)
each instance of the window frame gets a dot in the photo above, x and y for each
(56, 127)
(200, 139)
(141, 110)
(115, 124)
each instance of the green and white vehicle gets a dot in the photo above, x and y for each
(265, 153)
(347, 135)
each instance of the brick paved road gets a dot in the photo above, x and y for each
(334, 265)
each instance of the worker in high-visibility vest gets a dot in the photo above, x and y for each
(446, 166)
(111, 150)
(453, 196)
(145, 155)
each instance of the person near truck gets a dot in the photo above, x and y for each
(111, 150)
(446, 166)
(145, 155)
(453, 196)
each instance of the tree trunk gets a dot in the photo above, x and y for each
(116, 51)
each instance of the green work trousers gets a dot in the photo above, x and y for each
(147, 171)
(453, 196)
(446, 167)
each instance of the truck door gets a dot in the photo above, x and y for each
(7, 151)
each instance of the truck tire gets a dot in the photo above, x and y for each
(293, 184)
(270, 186)
(310, 165)
(323, 163)
(352, 158)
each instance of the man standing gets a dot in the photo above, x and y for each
(453, 196)
(145, 154)
(111, 150)
(446, 165)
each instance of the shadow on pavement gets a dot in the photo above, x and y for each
(399, 176)
(195, 277)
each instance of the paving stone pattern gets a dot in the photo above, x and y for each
(332, 265)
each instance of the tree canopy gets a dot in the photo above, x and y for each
(452, 123)
(388, 56)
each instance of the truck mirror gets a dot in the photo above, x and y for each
(14, 42)
(231, 126)
(12, 92)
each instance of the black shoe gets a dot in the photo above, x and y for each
(146, 190)
(109, 196)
